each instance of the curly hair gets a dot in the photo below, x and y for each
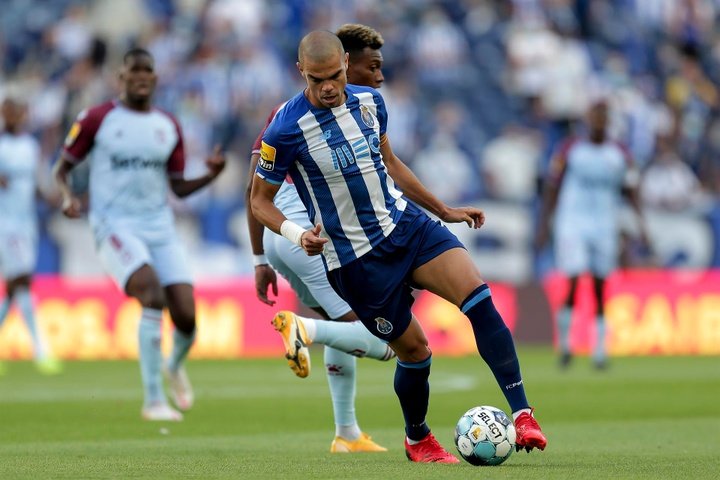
(355, 37)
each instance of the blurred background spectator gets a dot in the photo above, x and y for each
(479, 94)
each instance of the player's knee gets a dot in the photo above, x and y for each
(412, 352)
(148, 293)
(184, 320)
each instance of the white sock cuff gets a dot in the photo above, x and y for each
(153, 314)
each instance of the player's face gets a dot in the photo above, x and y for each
(326, 80)
(366, 69)
(13, 114)
(598, 117)
(139, 78)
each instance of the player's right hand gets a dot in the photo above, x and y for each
(312, 242)
(265, 276)
(3, 181)
(71, 207)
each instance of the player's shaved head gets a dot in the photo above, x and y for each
(319, 46)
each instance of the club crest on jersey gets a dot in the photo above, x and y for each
(267, 157)
(72, 134)
(367, 117)
(383, 326)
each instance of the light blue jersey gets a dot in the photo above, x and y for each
(333, 157)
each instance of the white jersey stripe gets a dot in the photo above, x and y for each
(365, 164)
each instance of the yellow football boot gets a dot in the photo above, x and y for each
(296, 341)
(363, 444)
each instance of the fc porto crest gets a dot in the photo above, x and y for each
(367, 117)
(383, 326)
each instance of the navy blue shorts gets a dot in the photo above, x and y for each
(378, 285)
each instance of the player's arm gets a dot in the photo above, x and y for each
(265, 276)
(418, 193)
(550, 193)
(71, 205)
(631, 190)
(263, 208)
(215, 164)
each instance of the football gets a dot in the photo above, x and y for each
(485, 436)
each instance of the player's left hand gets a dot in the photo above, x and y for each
(474, 217)
(265, 277)
(215, 163)
(3, 181)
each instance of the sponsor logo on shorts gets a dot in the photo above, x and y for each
(383, 326)
(267, 157)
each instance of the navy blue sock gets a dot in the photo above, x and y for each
(413, 390)
(495, 344)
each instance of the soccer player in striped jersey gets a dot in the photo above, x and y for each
(343, 336)
(583, 194)
(19, 161)
(135, 151)
(376, 244)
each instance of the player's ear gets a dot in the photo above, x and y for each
(300, 68)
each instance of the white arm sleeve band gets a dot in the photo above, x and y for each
(292, 231)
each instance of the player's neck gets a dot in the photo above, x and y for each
(316, 103)
(140, 106)
(597, 137)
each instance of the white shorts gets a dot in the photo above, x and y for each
(18, 252)
(123, 252)
(578, 251)
(305, 274)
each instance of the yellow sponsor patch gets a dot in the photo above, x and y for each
(72, 134)
(267, 157)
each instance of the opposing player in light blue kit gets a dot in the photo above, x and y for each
(135, 151)
(583, 195)
(375, 243)
(19, 162)
(345, 338)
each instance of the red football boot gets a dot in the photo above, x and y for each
(429, 451)
(528, 432)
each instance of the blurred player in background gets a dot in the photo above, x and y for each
(344, 337)
(587, 180)
(376, 245)
(19, 162)
(135, 150)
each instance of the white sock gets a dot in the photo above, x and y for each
(600, 353)
(564, 321)
(310, 326)
(340, 371)
(515, 415)
(25, 305)
(348, 337)
(150, 355)
(181, 346)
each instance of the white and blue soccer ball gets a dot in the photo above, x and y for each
(485, 436)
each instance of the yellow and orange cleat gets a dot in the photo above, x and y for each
(296, 341)
(363, 444)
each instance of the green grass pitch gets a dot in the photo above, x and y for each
(653, 417)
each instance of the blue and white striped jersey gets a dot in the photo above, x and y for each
(333, 157)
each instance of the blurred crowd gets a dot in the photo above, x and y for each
(480, 92)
